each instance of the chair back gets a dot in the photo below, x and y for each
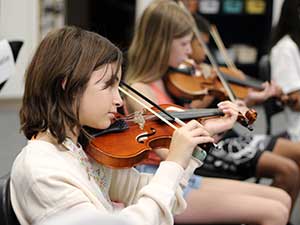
(272, 106)
(264, 68)
(7, 214)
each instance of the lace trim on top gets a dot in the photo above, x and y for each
(94, 171)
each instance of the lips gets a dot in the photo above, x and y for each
(111, 115)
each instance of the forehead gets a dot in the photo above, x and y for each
(106, 71)
(187, 37)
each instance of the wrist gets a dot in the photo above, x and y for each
(180, 161)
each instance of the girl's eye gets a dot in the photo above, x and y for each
(111, 82)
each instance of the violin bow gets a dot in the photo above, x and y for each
(226, 86)
(199, 154)
(231, 95)
(220, 44)
(228, 89)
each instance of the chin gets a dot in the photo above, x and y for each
(105, 124)
(101, 125)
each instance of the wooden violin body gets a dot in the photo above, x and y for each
(128, 141)
(240, 83)
(130, 144)
(183, 84)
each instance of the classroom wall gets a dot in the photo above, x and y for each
(19, 20)
(140, 6)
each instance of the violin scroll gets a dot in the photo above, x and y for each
(248, 119)
(251, 115)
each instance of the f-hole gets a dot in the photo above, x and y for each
(142, 137)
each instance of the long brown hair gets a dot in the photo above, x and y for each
(57, 77)
(149, 52)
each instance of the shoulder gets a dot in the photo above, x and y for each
(37, 159)
(144, 88)
(285, 46)
(46, 180)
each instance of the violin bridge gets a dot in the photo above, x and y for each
(138, 118)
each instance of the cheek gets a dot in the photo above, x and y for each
(171, 61)
(175, 59)
(93, 114)
(89, 104)
(203, 56)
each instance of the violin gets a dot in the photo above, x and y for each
(239, 82)
(128, 141)
(231, 96)
(183, 82)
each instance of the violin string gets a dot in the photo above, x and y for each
(147, 100)
(130, 117)
(144, 105)
(199, 154)
(183, 115)
(177, 120)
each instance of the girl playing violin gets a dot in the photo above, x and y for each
(284, 152)
(285, 61)
(162, 39)
(73, 82)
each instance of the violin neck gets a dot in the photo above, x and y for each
(184, 70)
(249, 82)
(194, 113)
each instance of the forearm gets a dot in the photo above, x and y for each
(251, 102)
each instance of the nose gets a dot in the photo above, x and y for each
(189, 49)
(117, 101)
(119, 104)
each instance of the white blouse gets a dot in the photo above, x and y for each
(46, 180)
(285, 70)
